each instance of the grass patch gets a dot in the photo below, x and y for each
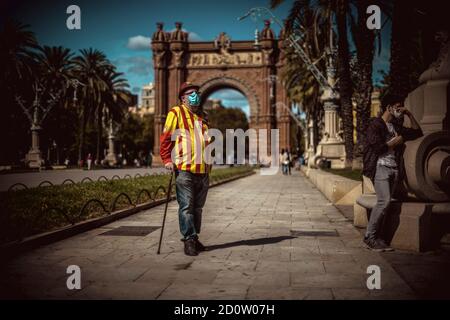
(347, 173)
(37, 210)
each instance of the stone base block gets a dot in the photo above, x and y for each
(359, 216)
(34, 159)
(413, 226)
(409, 227)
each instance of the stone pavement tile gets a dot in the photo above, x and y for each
(328, 280)
(338, 257)
(110, 290)
(300, 251)
(193, 277)
(205, 291)
(245, 254)
(343, 267)
(240, 265)
(113, 274)
(157, 274)
(282, 254)
(228, 277)
(289, 293)
(293, 266)
(271, 279)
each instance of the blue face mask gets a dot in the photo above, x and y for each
(194, 99)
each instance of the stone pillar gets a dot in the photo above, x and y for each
(34, 157)
(284, 119)
(331, 147)
(177, 68)
(160, 56)
(427, 159)
(310, 153)
(267, 118)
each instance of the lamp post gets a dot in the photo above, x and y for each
(331, 147)
(36, 115)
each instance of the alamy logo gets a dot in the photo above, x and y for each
(74, 280)
(73, 21)
(374, 280)
(374, 21)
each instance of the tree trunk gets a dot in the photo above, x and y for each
(365, 42)
(401, 50)
(345, 82)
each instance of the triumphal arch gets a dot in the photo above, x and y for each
(251, 67)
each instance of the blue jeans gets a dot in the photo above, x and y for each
(191, 190)
(386, 180)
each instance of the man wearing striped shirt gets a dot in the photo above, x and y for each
(182, 148)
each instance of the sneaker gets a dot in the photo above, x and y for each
(189, 248)
(374, 245)
(199, 246)
(387, 247)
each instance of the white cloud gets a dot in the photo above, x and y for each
(139, 43)
(192, 36)
(138, 65)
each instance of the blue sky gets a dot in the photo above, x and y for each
(122, 29)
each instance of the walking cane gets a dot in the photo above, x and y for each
(169, 191)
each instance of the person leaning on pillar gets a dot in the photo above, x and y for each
(383, 161)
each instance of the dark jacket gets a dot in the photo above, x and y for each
(375, 145)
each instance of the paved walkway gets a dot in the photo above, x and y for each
(248, 223)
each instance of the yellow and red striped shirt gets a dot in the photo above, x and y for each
(187, 151)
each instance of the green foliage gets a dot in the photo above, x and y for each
(136, 136)
(227, 118)
(347, 173)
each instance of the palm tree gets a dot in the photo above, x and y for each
(54, 67)
(301, 86)
(16, 51)
(401, 48)
(365, 49)
(327, 13)
(90, 67)
(17, 44)
(345, 82)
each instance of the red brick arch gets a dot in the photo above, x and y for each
(221, 81)
(252, 70)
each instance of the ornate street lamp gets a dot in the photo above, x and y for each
(331, 143)
(36, 115)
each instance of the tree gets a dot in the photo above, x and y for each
(17, 45)
(328, 16)
(345, 82)
(90, 67)
(365, 48)
(115, 99)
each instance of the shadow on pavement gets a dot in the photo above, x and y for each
(251, 242)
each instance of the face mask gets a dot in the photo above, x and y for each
(194, 99)
(396, 113)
